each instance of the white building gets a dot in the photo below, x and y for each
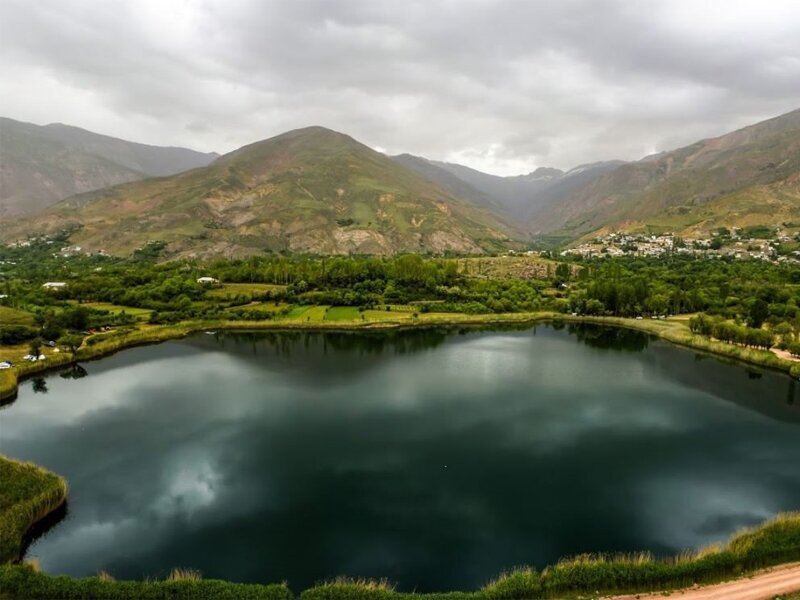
(54, 285)
(207, 280)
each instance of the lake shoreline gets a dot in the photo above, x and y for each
(614, 574)
(23, 509)
(773, 543)
(671, 330)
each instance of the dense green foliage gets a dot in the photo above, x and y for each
(752, 291)
(730, 332)
(755, 292)
(751, 304)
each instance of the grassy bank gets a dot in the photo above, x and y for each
(774, 542)
(104, 344)
(8, 384)
(321, 318)
(27, 494)
(676, 330)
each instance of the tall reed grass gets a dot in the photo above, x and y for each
(28, 493)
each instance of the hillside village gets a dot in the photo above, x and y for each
(734, 243)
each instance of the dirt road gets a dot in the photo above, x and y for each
(764, 585)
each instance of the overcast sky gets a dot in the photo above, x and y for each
(501, 85)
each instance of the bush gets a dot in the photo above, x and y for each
(16, 334)
(349, 589)
(23, 582)
(519, 583)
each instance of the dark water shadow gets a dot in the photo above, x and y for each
(43, 526)
(611, 338)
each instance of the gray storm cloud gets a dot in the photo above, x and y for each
(502, 85)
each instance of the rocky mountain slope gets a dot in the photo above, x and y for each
(747, 177)
(309, 190)
(40, 165)
(516, 197)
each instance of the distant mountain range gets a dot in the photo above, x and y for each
(40, 165)
(310, 190)
(517, 197)
(319, 191)
(748, 177)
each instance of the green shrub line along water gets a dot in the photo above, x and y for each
(774, 542)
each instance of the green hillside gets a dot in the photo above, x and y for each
(309, 190)
(748, 177)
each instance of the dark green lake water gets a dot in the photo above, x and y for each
(436, 460)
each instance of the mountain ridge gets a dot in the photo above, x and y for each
(321, 191)
(43, 164)
(686, 189)
(307, 190)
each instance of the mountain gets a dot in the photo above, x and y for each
(40, 165)
(745, 178)
(452, 183)
(309, 190)
(515, 197)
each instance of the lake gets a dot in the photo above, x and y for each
(434, 459)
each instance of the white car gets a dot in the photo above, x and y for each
(5, 365)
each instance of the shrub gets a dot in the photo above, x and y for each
(16, 334)
(520, 583)
(350, 589)
(23, 582)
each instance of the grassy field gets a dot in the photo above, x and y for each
(507, 267)
(230, 291)
(774, 542)
(343, 313)
(28, 493)
(12, 316)
(271, 307)
(141, 314)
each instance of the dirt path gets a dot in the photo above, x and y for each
(764, 585)
(784, 354)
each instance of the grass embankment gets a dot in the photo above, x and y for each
(28, 493)
(774, 542)
(675, 330)
(302, 317)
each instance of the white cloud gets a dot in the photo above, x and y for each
(503, 85)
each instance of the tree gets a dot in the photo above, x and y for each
(35, 349)
(759, 312)
(562, 272)
(594, 307)
(75, 318)
(73, 342)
